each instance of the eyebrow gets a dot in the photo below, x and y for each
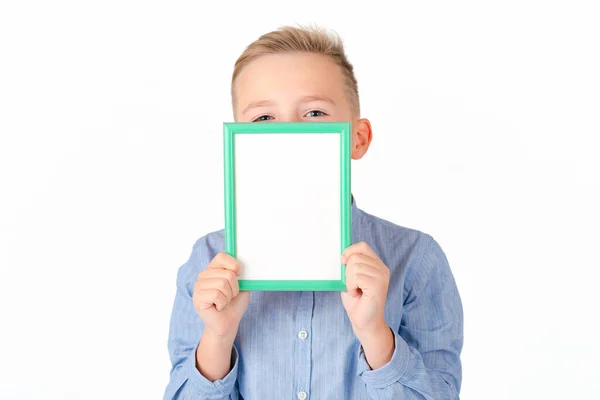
(305, 99)
(255, 104)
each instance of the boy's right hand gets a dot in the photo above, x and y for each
(217, 298)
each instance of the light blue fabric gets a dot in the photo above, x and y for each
(272, 361)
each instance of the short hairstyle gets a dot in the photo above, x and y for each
(290, 39)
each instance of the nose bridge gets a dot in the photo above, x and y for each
(290, 118)
(290, 114)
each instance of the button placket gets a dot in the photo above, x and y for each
(302, 346)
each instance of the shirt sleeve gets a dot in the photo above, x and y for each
(426, 361)
(186, 382)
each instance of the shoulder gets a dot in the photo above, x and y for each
(400, 244)
(203, 251)
(383, 226)
(416, 254)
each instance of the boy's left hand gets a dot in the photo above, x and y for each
(367, 281)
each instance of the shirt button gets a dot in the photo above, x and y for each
(302, 395)
(302, 335)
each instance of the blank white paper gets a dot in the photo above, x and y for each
(287, 189)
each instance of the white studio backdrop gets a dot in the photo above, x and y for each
(485, 118)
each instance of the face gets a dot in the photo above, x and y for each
(298, 87)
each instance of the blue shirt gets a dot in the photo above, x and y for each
(300, 345)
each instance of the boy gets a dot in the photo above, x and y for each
(396, 333)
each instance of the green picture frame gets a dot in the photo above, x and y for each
(230, 131)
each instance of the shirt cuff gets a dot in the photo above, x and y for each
(389, 373)
(201, 386)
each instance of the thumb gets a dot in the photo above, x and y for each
(241, 298)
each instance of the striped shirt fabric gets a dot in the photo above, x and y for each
(300, 345)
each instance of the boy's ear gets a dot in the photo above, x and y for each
(362, 135)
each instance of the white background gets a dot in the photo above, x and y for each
(280, 199)
(485, 118)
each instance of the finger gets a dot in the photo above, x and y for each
(360, 248)
(353, 293)
(235, 286)
(362, 259)
(367, 284)
(362, 268)
(208, 298)
(369, 266)
(220, 284)
(226, 274)
(217, 273)
(225, 261)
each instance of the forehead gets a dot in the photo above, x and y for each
(287, 75)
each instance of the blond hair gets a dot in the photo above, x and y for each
(290, 39)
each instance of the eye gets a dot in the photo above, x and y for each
(315, 113)
(263, 118)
